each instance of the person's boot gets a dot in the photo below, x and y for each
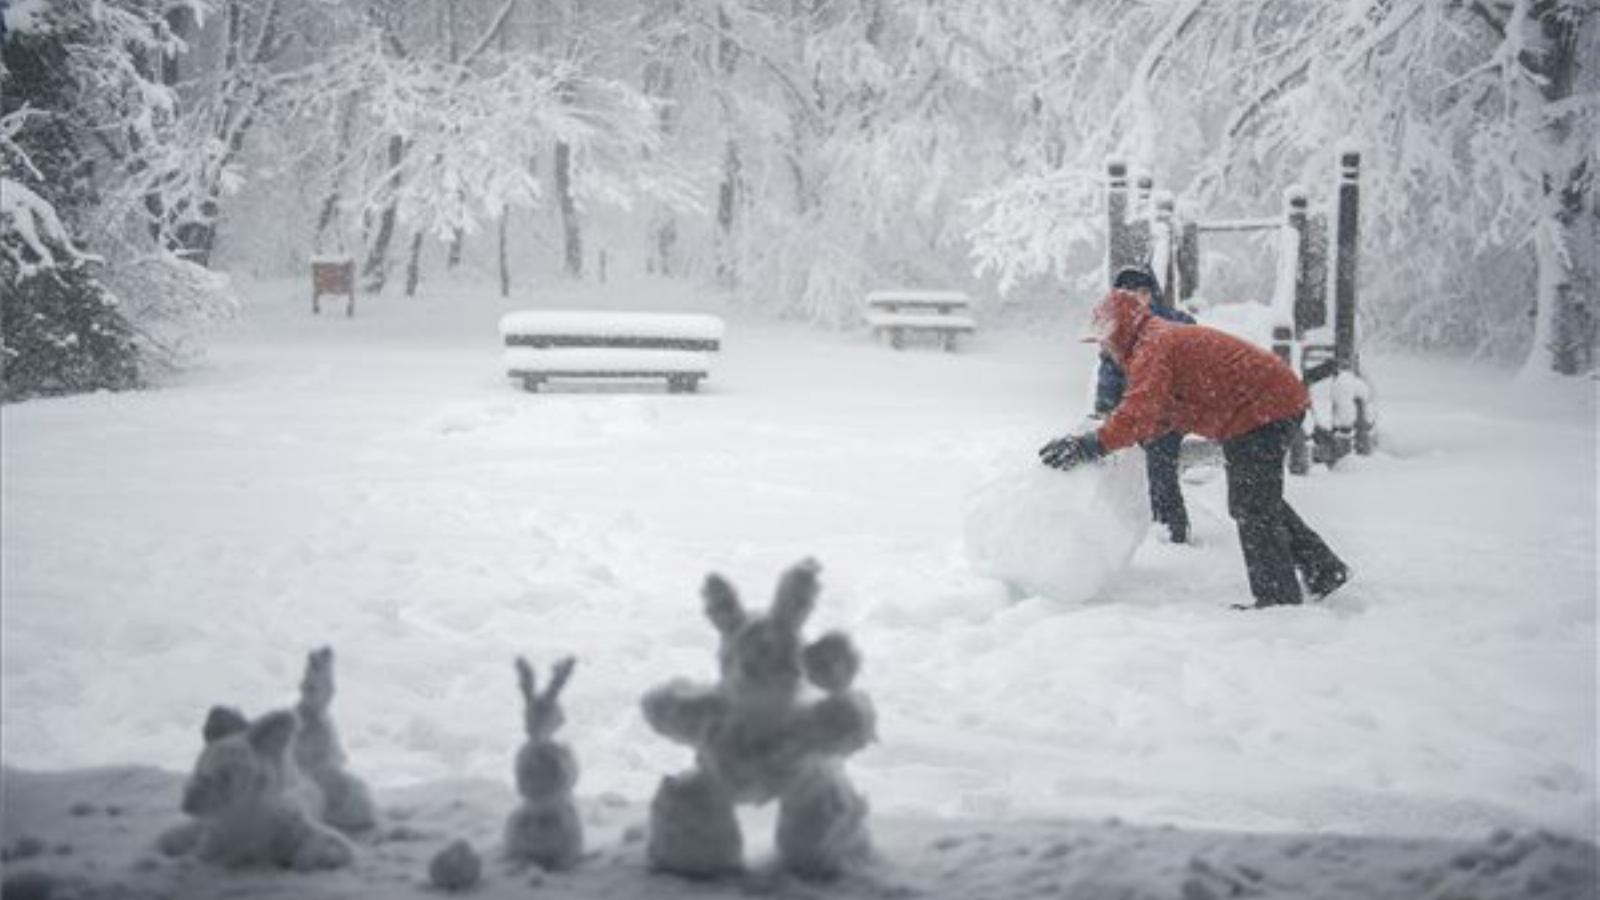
(1320, 584)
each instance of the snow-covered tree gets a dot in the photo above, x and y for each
(435, 145)
(61, 330)
(1477, 121)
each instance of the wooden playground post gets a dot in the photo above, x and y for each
(1347, 250)
(1141, 222)
(1311, 280)
(1188, 261)
(1164, 225)
(1121, 249)
(1296, 216)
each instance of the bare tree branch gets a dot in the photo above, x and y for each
(491, 32)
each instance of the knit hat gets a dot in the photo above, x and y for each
(1132, 278)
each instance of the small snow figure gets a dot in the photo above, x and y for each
(755, 741)
(245, 800)
(346, 803)
(545, 829)
(455, 868)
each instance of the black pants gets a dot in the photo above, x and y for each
(1166, 497)
(1276, 542)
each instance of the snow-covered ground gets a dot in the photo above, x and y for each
(377, 484)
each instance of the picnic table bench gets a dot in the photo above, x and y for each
(567, 344)
(944, 314)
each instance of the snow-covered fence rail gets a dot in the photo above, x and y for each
(1144, 227)
(944, 314)
(554, 344)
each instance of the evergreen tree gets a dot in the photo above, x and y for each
(61, 331)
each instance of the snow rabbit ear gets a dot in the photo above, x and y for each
(722, 604)
(270, 735)
(223, 721)
(559, 674)
(316, 686)
(797, 595)
(542, 712)
(527, 683)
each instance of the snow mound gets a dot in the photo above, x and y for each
(1060, 535)
(89, 834)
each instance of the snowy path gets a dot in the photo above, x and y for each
(376, 484)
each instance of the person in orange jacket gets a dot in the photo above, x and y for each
(1195, 379)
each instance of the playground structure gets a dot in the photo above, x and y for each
(1145, 227)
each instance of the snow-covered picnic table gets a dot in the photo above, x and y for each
(893, 313)
(546, 344)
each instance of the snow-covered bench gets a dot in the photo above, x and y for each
(548, 344)
(944, 314)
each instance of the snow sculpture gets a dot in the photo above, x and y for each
(755, 740)
(346, 803)
(1061, 535)
(248, 801)
(545, 828)
(455, 868)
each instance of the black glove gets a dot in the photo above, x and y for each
(1071, 451)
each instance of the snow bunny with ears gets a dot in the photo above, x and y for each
(545, 828)
(755, 741)
(264, 791)
(248, 802)
(346, 804)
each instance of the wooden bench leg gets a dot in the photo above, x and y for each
(316, 306)
(350, 306)
(530, 383)
(896, 338)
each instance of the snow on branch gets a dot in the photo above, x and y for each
(1037, 225)
(469, 131)
(35, 223)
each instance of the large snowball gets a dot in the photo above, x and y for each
(1056, 534)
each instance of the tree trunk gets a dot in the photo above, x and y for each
(376, 269)
(663, 244)
(728, 196)
(414, 265)
(181, 22)
(1554, 31)
(505, 267)
(330, 203)
(660, 82)
(454, 258)
(571, 232)
(453, 44)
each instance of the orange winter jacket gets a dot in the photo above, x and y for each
(1189, 378)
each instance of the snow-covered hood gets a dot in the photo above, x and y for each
(1117, 322)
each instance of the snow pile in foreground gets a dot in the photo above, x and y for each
(1060, 535)
(89, 835)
